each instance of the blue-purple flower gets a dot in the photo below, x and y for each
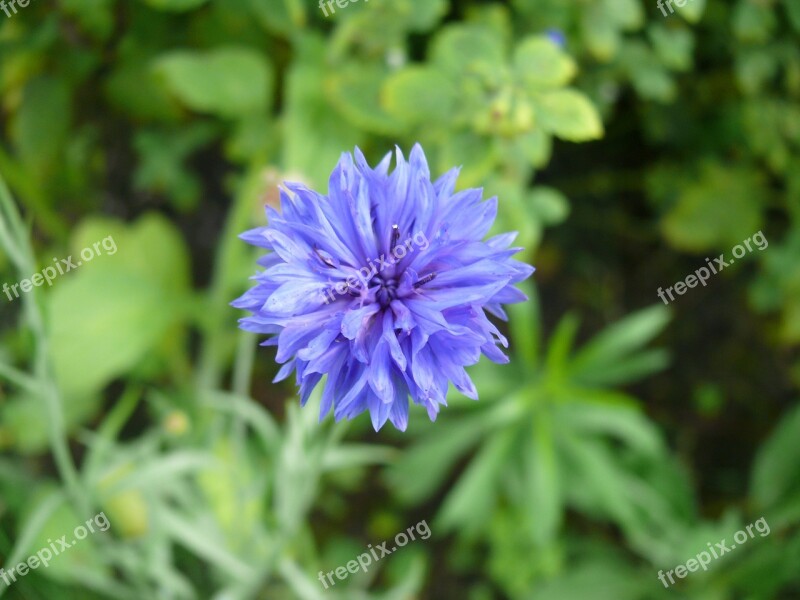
(383, 285)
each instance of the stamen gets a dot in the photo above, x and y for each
(395, 236)
(324, 259)
(426, 279)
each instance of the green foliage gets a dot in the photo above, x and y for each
(592, 461)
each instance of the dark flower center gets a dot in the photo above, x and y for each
(387, 289)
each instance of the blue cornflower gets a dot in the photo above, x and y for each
(382, 285)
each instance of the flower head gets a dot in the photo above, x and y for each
(383, 285)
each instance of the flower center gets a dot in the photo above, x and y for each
(387, 289)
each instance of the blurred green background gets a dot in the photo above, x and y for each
(625, 146)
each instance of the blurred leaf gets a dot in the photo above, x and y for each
(231, 81)
(475, 492)
(356, 92)
(280, 17)
(717, 211)
(625, 423)
(753, 22)
(83, 554)
(414, 477)
(41, 125)
(419, 94)
(175, 5)
(314, 134)
(543, 501)
(550, 204)
(569, 115)
(134, 88)
(462, 49)
(540, 63)
(603, 359)
(143, 282)
(536, 146)
(673, 46)
(792, 9)
(693, 10)
(161, 162)
(774, 477)
(474, 153)
(94, 16)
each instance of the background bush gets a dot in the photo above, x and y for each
(625, 147)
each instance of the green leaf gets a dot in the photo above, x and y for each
(41, 125)
(229, 82)
(536, 146)
(597, 482)
(623, 422)
(475, 154)
(205, 544)
(600, 33)
(649, 76)
(793, 10)
(539, 63)
(693, 10)
(561, 343)
(549, 204)
(526, 329)
(628, 15)
(421, 15)
(143, 285)
(753, 22)
(718, 210)
(621, 339)
(175, 5)
(83, 553)
(774, 477)
(569, 115)
(755, 68)
(280, 17)
(544, 500)
(418, 95)
(356, 91)
(461, 49)
(474, 494)
(414, 477)
(673, 46)
(314, 134)
(94, 16)
(134, 88)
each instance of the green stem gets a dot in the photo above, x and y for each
(228, 279)
(15, 239)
